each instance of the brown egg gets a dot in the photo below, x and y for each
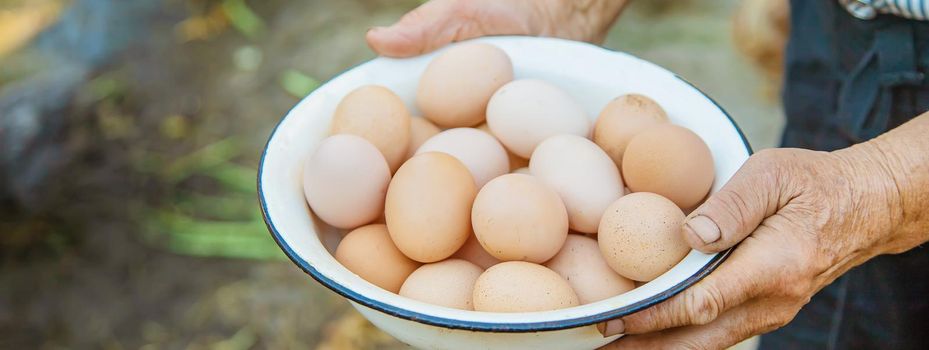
(516, 162)
(428, 206)
(345, 181)
(623, 118)
(369, 253)
(580, 263)
(640, 236)
(516, 217)
(518, 286)
(455, 88)
(448, 283)
(378, 115)
(421, 129)
(669, 160)
(473, 252)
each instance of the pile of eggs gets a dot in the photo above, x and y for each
(503, 197)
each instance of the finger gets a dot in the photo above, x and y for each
(426, 28)
(733, 283)
(732, 213)
(731, 328)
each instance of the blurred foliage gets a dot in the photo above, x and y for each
(20, 21)
(202, 26)
(227, 224)
(149, 235)
(227, 221)
(298, 84)
(248, 58)
(243, 18)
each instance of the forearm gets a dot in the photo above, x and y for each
(586, 16)
(906, 153)
(896, 166)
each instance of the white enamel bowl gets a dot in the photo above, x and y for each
(593, 76)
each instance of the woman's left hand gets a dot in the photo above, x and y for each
(803, 218)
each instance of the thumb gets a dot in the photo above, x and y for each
(426, 28)
(736, 210)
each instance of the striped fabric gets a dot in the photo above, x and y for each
(868, 9)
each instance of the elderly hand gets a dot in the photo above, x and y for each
(803, 218)
(439, 22)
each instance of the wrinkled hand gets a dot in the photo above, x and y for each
(439, 22)
(803, 218)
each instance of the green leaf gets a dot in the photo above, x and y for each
(243, 18)
(205, 158)
(223, 207)
(297, 83)
(235, 177)
(183, 234)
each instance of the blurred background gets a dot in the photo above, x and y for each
(130, 133)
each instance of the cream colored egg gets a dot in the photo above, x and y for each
(516, 217)
(640, 236)
(518, 286)
(448, 283)
(379, 116)
(473, 252)
(523, 170)
(455, 88)
(428, 206)
(582, 174)
(623, 118)
(345, 181)
(581, 264)
(421, 129)
(477, 150)
(516, 162)
(525, 112)
(369, 252)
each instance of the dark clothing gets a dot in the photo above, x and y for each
(847, 81)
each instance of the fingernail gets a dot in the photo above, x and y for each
(704, 228)
(374, 29)
(611, 327)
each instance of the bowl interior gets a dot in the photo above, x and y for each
(592, 75)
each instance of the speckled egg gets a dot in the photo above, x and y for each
(640, 236)
(518, 286)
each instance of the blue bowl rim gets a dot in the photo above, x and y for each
(487, 326)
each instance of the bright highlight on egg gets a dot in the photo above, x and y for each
(537, 209)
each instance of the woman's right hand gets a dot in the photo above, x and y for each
(439, 22)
